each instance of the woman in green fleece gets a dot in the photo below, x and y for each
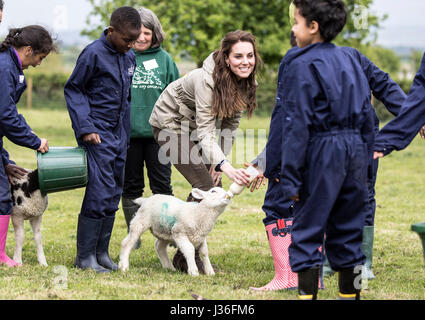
(155, 70)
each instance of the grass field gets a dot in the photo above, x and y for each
(237, 244)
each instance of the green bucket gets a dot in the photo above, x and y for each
(62, 168)
(419, 228)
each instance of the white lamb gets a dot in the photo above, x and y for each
(28, 204)
(171, 220)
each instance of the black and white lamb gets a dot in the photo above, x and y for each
(171, 220)
(28, 204)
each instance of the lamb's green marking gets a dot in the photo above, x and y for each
(166, 221)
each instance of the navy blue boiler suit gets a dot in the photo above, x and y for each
(400, 131)
(392, 96)
(12, 124)
(275, 205)
(98, 101)
(383, 88)
(326, 143)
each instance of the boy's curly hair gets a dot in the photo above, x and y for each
(331, 15)
(125, 18)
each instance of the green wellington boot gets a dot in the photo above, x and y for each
(327, 270)
(367, 248)
(88, 231)
(130, 208)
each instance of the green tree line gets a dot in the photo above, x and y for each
(194, 28)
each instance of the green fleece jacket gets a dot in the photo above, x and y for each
(154, 72)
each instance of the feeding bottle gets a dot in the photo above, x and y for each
(236, 189)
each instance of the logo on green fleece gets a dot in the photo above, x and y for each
(166, 221)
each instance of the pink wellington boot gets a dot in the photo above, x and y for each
(279, 237)
(4, 225)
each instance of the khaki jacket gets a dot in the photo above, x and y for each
(185, 107)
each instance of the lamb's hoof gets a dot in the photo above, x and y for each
(43, 264)
(210, 273)
(123, 267)
(193, 273)
(170, 268)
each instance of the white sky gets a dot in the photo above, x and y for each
(401, 12)
(404, 26)
(68, 14)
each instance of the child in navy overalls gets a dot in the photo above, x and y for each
(22, 47)
(400, 131)
(98, 101)
(327, 133)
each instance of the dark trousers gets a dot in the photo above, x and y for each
(373, 171)
(333, 201)
(195, 172)
(275, 205)
(145, 151)
(105, 162)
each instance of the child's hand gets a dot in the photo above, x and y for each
(422, 132)
(14, 171)
(92, 138)
(295, 198)
(260, 179)
(44, 146)
(377, 155)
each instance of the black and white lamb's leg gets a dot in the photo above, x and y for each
(18, 226)
(161, 250)
(36, 229)
(203, 254)
(188, 250)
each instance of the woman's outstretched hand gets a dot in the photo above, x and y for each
(237, 175)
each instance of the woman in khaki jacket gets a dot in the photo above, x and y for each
(191, 109)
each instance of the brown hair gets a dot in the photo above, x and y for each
(229, 94)
(38, 38)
